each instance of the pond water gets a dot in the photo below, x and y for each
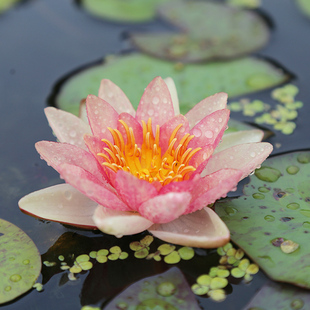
(42, 41)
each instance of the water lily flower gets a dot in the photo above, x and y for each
(127, 171)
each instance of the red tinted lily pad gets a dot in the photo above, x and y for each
(271, 221)
(122, 11)
(168, 290)
(278, 297)
(193, 82)
(20, 262)
(239, 32)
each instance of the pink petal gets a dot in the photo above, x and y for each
(165, 208)
(132, 123)
(67, 127)
(174, 95)
(155, 103)
(179, 187)
(206, 107)
(119, 223)
(101, 115)
(167, 129)
(200, 159)
(91, 187)
(239, 137)
(210, 130)
(213, 187)
(245, 157)
(55, 154)
(133, 190)
(60, 203)
(203, 229)
(112, 94)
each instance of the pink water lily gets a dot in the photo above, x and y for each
(128, 171)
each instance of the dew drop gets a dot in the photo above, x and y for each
(231, 210)
(68, 195)
(110, 94)
(268, 174)
(122, 305)
(156, 100)
(269, 218)
(253, 154)
(305, 212)
(220, 120)
(293, 206)
(292, 169)
(150, 112)
(258, 196)
(197, 132)
(96, 112)
(26, 261)
(297, 304)
(72, 133)
(15, 278)
(306, 224)
(165, 100)
(209, 134)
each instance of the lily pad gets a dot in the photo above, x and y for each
(7, 4)
(271, 221)
(239, 32)
(168, 290)
(194, 82)
(122, 11)
(304, 6)
(20, 262)
(278, 297)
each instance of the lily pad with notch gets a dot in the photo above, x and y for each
(194, 82)
(20, 262)
(240, 32)
(271, 221)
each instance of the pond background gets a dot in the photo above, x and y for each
(40, 42)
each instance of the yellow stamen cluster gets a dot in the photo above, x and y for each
(146, 162)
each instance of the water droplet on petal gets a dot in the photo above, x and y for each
(209, 134)
(197, 132)
(156, 100)
(150, 112)
(253, 154)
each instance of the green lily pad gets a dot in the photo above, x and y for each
(168, 290)
(278, 297)
(20, 262)
(123, 11)
(194, 82)
(239, 32)
(271, 221)
(248, 4)
(304, 6)
(7, 4)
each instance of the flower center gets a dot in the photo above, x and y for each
(146, 162)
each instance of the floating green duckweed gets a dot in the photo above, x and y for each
(166, 249)
(38, 287)
(20, 262)
(49, 264)
(168, 290)
(172, 258)
(194, 82)
(285, 94)
(237, 272)
(141, 248)
(217, 295)
(90, 308)
(274, 233)
(186, 253)
(239, 33)
(61, 258)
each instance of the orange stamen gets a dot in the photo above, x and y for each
(145, 161)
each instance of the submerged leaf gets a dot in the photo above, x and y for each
(162, 291)
(193, 81)
(278, 297)
(239, 32)
(20, 262)
(271, 221)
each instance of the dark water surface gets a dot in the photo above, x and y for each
(41, 41)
